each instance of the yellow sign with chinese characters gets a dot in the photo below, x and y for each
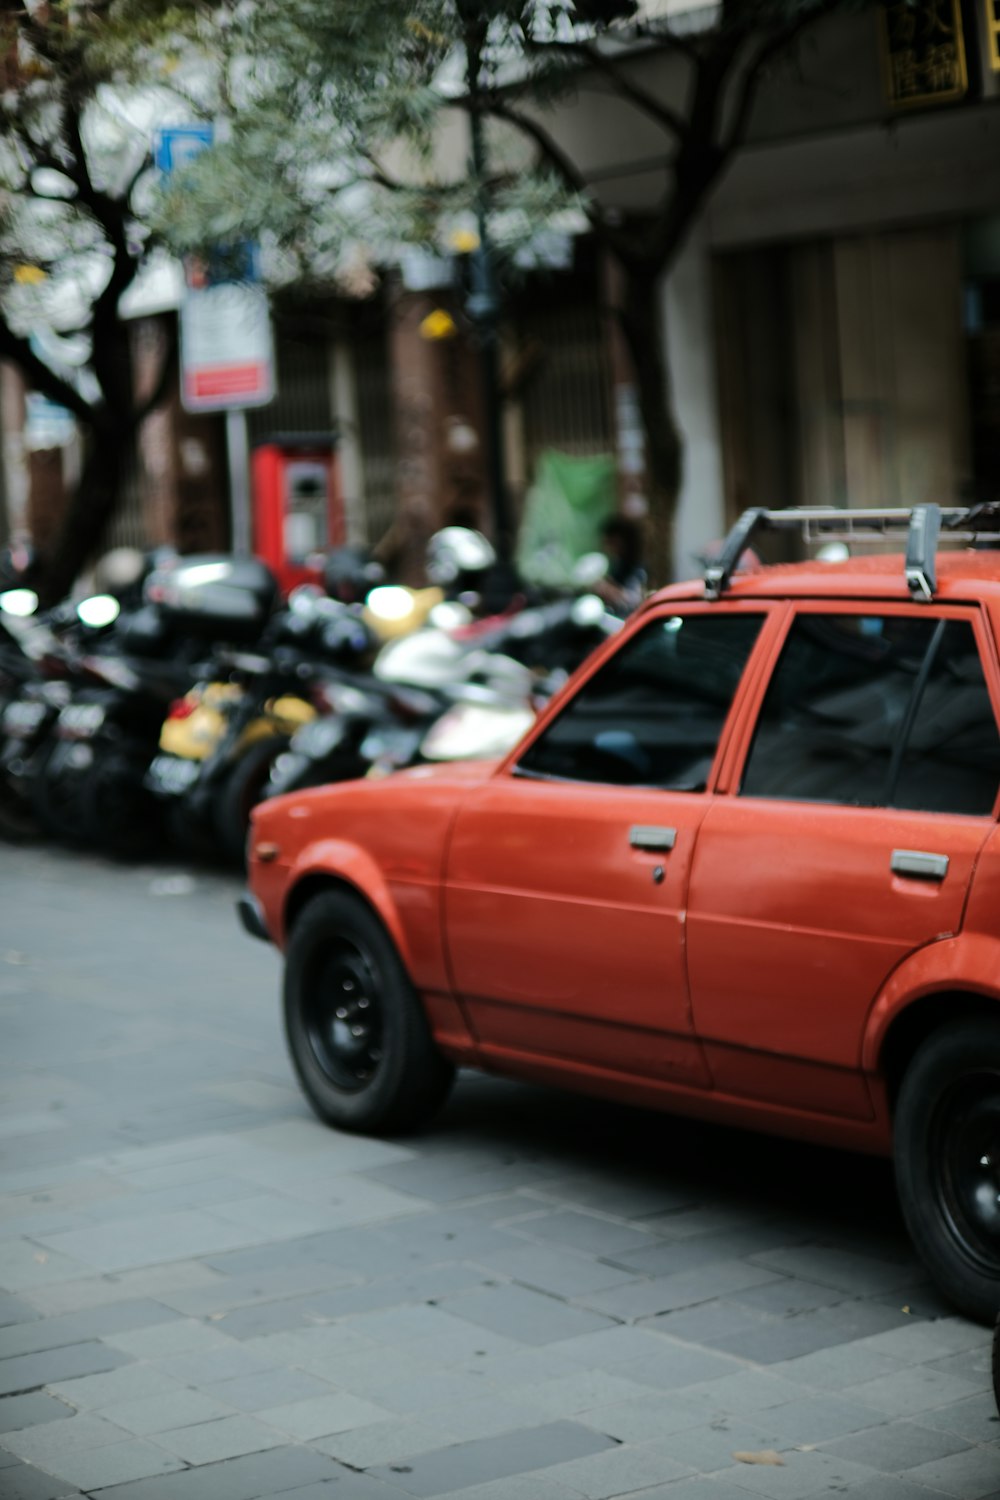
(923, 52)
(993, 27)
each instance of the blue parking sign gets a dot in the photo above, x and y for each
(176, 145)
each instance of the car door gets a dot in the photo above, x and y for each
(853, 827)
(567, 873)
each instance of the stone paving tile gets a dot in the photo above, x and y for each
(975, 1418)
(14, 1310)
(161, 1413)
(278, 1387)
(157, 1282)
(751, 1390)
(970, 1475)
(667, 1256)
(644, 1419)
(161, 1340)
(24, 1482)
(568, 1395)
(662, 1294)
(227, 1437)
(895, 1446)
(590, 1233)
(29, 1371)
(921, 1342)
(437, 1473)
(858, 1275)
(677, 1365)
(557, 1272)
(257, 1293)
(617, 1472)
(817, 1419)
(143, 1242)
(133, 1383)
(25, 1265)
(248, 1478)
(384, 1443)
(835, 1368)
(486, 1416)
(57, 1440)
(803, 1473)
(74, 1328)
(17, 1412)
(822, 1328)
(519, 1487)
(916, 1389)
(323, 1415)
(215, 1365)
(113, 1464)
(884, 1487)
(526, 1316)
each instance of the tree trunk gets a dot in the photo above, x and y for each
(640, 316)
(91, 509)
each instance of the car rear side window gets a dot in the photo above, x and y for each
(653, 714)
(878, 711)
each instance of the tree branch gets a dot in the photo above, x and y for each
(645, 102)
(40, 377)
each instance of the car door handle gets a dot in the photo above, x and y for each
(919, 865)
(644, 836)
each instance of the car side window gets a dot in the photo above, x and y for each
(653, 714)
(878, 711)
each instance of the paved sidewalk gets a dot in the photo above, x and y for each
(206, 1295)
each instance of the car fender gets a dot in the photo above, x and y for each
(954, 964)
(338, 860)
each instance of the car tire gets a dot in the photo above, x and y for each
(947, 1150)
(242, 789)
(357, 1033)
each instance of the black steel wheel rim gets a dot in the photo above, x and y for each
(965, 1159)
(343, 1016)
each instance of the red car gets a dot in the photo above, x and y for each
(745, 868)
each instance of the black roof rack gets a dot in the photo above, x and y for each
(920, 524)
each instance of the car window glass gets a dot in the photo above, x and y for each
(653, 714)
(950, 761)
(877, 711)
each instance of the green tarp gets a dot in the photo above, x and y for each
(563, 513)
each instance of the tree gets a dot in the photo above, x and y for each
(81, 85)
(332, 154)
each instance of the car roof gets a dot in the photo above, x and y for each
(964, 576)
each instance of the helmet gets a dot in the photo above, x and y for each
(119, 570)
(455, 553)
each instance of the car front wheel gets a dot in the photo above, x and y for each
(947, 1148)
(357, 1033)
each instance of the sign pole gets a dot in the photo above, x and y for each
(238, 455)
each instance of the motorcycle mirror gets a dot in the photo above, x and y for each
(97, 611)
(590, 568)
(588, 610)
(19, 602)
(303, 599)
(449, 615)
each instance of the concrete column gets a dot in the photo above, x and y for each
(690, 349)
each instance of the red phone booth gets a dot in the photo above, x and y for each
(298, 506)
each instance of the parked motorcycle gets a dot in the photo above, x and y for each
(445, 694)
(91, 787)
(218, 743)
